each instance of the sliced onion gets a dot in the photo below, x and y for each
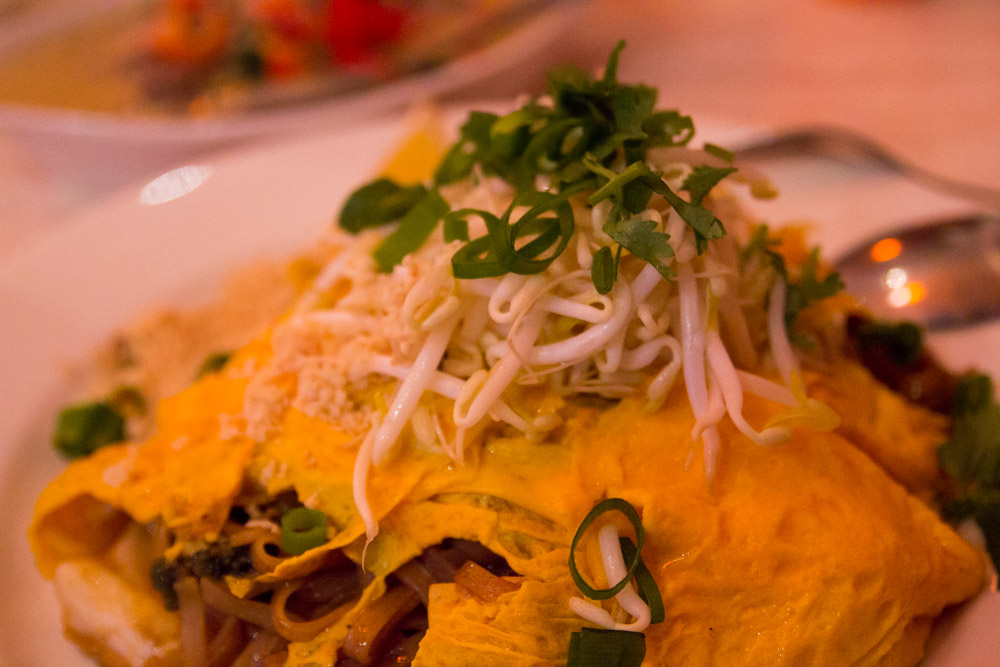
(227, 643)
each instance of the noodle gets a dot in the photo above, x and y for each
(192, 613)
(372, 626)
(216, 596)
(297, 630)
(257, 651)
(227, 643)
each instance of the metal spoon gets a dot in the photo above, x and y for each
(944, 274)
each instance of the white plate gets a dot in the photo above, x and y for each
(106, 150)
(68, 291)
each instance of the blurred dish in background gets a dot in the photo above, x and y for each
(85, 152)
(218, 57)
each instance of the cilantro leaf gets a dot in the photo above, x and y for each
(642, 239)
(972, 454)
(668, 128)
(799, 294)
(809, 289)
(590, 124)
(972, 457)
(702, 179)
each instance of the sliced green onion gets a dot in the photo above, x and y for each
(648, 590)
(544, 151)
(414, 229)
(719, 152)
(509, 134)
(84, 428)
(476, 259)
(592, 647)
(604, 270)
(603, 507)
(214, 363)
(497, 253)
(302, 529)
(468, 150)
(455, 226)
(378, 203)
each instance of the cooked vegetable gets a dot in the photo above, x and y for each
(972, 457)
(302, 529)
(591, 647)
(603, 507)
(572, 142)
(84, 428)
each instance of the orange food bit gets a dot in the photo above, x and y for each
(483, 584)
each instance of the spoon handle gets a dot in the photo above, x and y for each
(849, 147)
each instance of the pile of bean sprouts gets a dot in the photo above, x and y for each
(475, 341)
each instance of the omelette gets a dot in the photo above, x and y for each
(559, 403)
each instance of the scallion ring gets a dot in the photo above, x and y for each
(603, 507)
(302, 529)
(648, 590)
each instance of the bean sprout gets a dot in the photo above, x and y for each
(628, 599)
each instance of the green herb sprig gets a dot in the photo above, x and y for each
(807, 290)
(972, 457)
(576, 138)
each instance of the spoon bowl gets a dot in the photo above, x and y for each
(943, 274)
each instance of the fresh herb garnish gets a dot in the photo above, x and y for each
(576, 140)
(648, 590)
(378, 203)
(641, 238)
(902, 341)
(603, 507)
(83, 428)
(702, 179)
(593, 647)
(809, 288)
(614, 647)
(302, 529)
(972, 457)
(801, 294)
(415, 227)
